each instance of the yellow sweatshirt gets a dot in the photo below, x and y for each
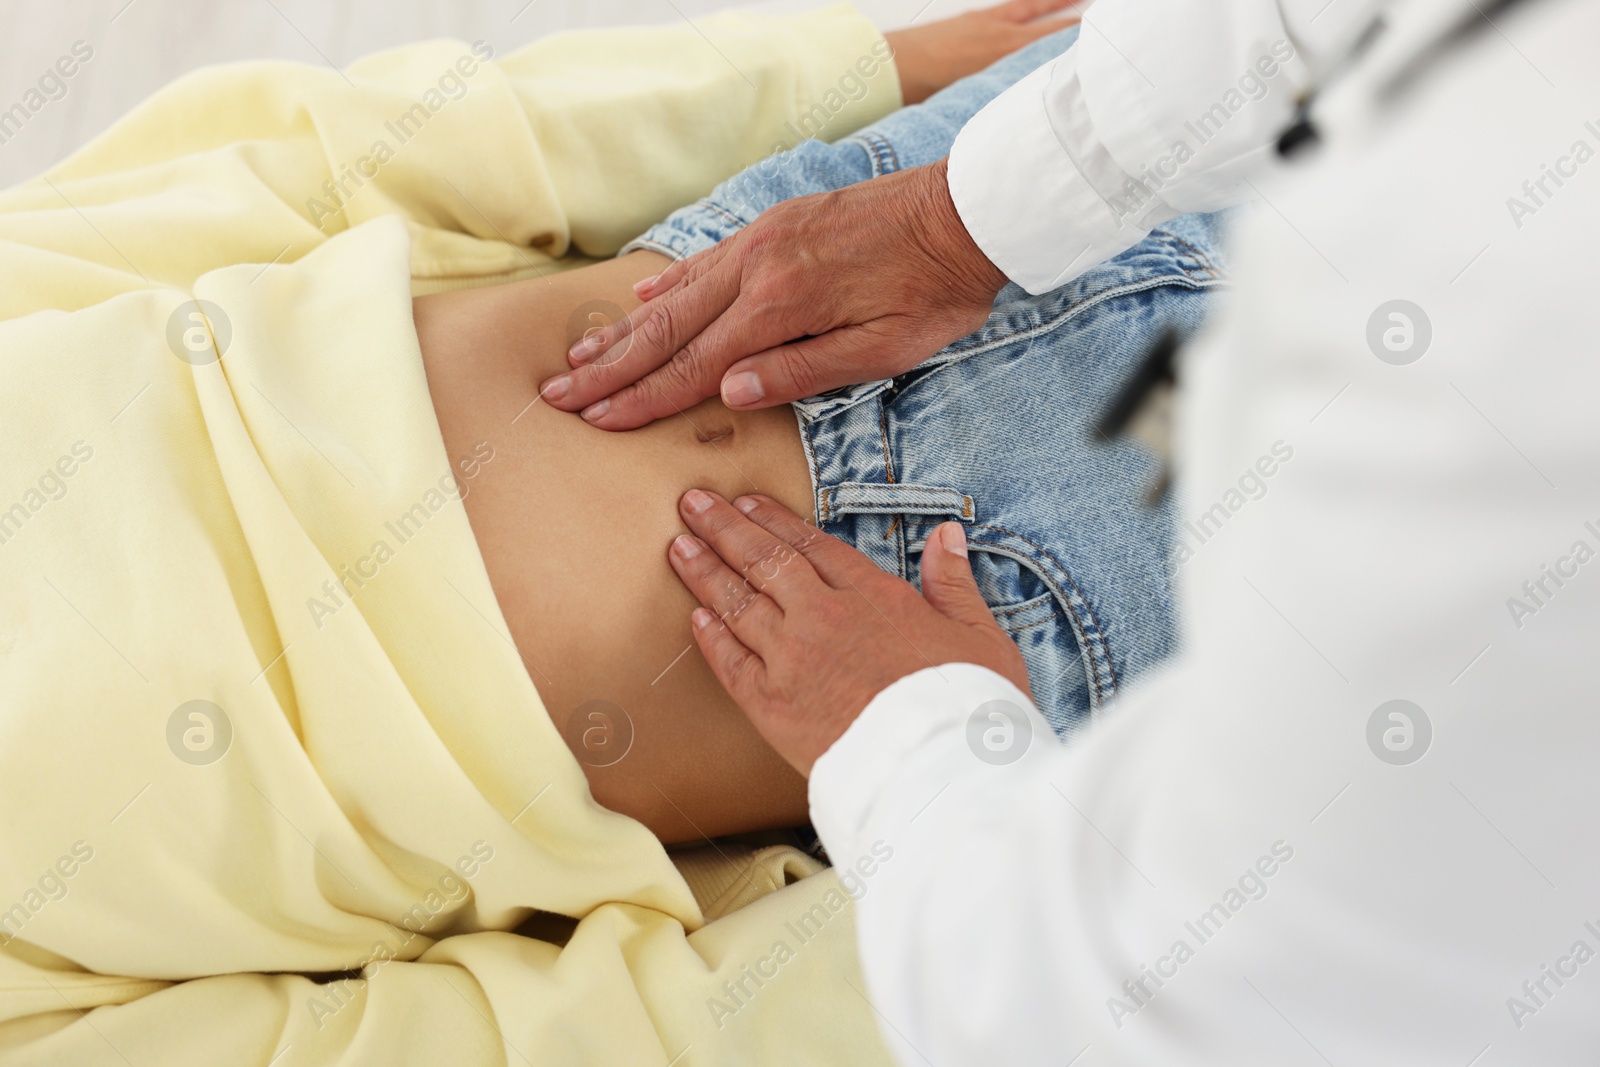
(234, 830)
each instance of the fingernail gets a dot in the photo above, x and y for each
(686, 546)
(747, 504)
(596, 411)
(556, 387)
(955, 539)
(701, 618)
(649, 283)
(696, 501)
(585, 349)
(742, 389)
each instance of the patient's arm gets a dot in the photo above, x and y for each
(934, 55)
(573, 524)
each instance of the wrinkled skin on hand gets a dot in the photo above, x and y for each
(819, 292)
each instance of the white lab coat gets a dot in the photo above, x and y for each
(1257, 858)
(1162, 108)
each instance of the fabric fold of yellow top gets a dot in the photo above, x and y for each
(257, 812)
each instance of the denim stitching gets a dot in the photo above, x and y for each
(883, 433)
(900, 549)
(966, 500)
(1077, 307)
(878, 159)
(1087, 653)
(880, 153)
(1012, 609)
(1054, 615)
(648, 244)
(912, 508)
(1206, 263)
(961, 355)
(1177, 249)
(712, 205)
(893, 156)
(1099, 630)
(821, 501)
(964, 349)
(1037, 602)
(1065, 601)
(1093, 660)
(901, 487)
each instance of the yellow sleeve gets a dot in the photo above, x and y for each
(772, 983)
(265, 722)
(379, 797)
(500, 165)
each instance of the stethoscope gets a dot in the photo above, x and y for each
(1156, 372)
(1302, 131)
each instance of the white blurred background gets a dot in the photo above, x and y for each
(142, 45)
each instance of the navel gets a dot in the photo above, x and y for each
(710, 435)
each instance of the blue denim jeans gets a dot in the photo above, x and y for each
(997, 430)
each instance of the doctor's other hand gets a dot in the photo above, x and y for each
(818, 292)
(938, 54)
(803, 631)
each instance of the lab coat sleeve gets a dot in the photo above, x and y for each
(1162, 108)
(955, 898)
(1352, 823)
(1187, 884)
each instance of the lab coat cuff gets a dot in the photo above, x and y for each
(1023, 197)
(912, 739)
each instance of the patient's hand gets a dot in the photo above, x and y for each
(941, 53)
(803, 631)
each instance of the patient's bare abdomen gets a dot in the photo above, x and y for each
(573, 524)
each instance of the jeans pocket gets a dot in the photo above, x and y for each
(1031, 592)
(1034, 600)
(1020, 618)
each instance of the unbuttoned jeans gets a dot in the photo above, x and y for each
(998, 430)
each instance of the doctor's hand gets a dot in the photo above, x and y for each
(803, 630)
(819, 292)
